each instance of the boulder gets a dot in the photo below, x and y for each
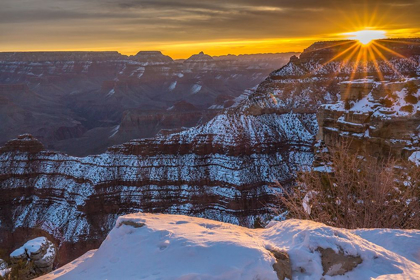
(36, 257)
(334, 263)
(282, 266)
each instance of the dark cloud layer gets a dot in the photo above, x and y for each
(101, 24)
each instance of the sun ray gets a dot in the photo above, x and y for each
(401, 41)
(339, 43)
(373, 16)
(354, 72)
(364, 57)
(356, 17)
(332, 59)
(348, 21)
(355, 45)
(344, 63)
(375, 64)
(388, 50)
(350, 56)
(380, 54)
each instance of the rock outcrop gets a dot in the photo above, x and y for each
(376, 118)
(334, 263)
(36, 257)
(25, 143)
(152, 57)
(282, 266)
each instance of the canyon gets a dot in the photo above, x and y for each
(75, 102)
(228, 168)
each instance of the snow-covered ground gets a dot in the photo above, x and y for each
(159, 246)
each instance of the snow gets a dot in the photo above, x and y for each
(30, 247)
(323, 168)
(114, 131)
(415, 158)
(216, 107)
(195, 89)
(306, 203)
(400, 102)
(363, 105)
(111, 92)
(159, 246)
(172, 86)
(5, 271)
(360, 81)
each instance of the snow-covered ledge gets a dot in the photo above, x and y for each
(159, 246)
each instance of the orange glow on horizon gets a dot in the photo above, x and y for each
(224, 27)
(182, 50)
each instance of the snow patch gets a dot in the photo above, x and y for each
(111, 92)
(172, 86)
(415, 158)
(195, 89)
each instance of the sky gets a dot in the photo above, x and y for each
(180, 28)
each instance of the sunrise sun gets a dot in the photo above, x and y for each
(366, 36)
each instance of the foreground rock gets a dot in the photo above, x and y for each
(158, 246)
(334, 263)
(36, 257)
(282, 265)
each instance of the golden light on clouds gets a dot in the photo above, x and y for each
(180, 28)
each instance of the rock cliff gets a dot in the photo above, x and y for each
(375, 118)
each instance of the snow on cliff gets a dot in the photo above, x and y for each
(159, 246)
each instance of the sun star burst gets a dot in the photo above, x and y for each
(365, 37)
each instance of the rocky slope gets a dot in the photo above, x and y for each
(225, 169)
(74, 101)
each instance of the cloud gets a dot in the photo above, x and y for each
(58, 23)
